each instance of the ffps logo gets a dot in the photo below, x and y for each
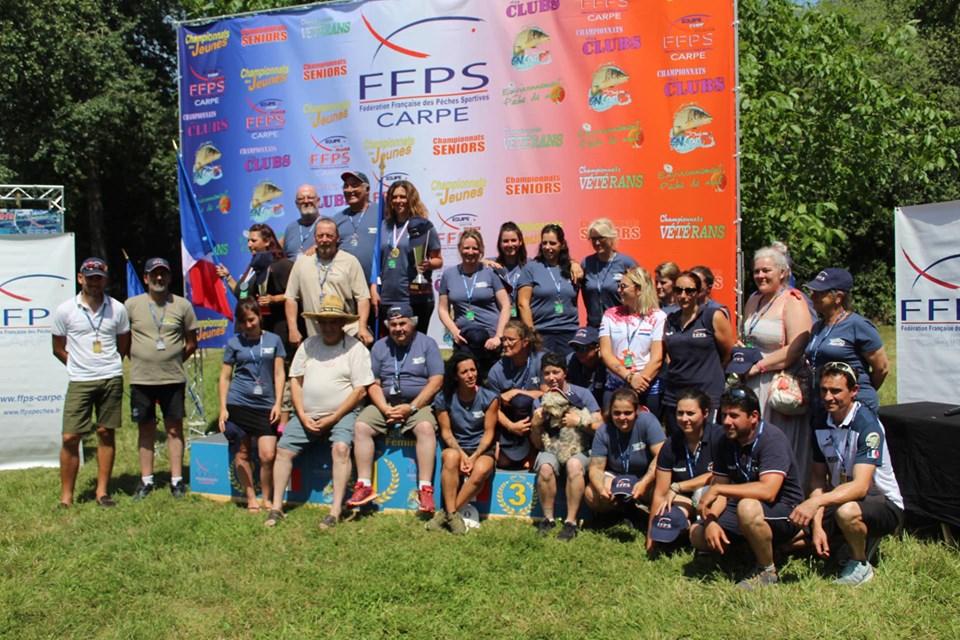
(387, 42)
(929, 310)
(925, 272)
(12, 317)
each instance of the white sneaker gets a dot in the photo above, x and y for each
(855, 573)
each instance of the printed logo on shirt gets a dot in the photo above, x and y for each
(371, 230)
(482, 285)
(638, 446)
(268, 350)
(478, 414)
(874, 454)
(873, 440)
(419, 360)
(700, 333)
(837, 342)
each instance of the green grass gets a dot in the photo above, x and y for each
(200, 569)
(888, 392)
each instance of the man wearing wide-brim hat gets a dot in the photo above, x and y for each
(329, 377)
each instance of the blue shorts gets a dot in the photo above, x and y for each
(295, 438)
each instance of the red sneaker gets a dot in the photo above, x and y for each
(362, 494)
(426, 500)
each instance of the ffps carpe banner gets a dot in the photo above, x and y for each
(535, 111)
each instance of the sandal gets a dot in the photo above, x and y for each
(106, 502)
(253, 508)
(274, 518)
(329, 522)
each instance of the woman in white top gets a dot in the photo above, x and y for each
(631, 340)
(777, 321)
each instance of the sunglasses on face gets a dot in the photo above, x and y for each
(690, 291)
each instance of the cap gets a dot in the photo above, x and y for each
(359, 175)
(832, 278)
(742, 359)
(669, 526)
(156, 263)
(400, 311)
(585, 336)
(622, 486)
(93, 267)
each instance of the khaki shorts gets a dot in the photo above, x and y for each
(372, 417)
(83, 398)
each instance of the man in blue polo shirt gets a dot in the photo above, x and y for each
(298, 237)
(755, 488)
(358, 225)
(853, 486)
(408, 373)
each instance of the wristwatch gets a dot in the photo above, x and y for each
(413, 408)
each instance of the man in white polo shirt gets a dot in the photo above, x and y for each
(91, 334)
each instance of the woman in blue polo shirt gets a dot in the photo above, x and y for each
(511, 258)
(603, 271)
(547, 299)
(474, 305)
(842, 335)
(467, 415)
(251, 387)
(698, 341)
(406, 226)
(685, 464)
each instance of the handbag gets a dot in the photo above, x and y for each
(790, 392)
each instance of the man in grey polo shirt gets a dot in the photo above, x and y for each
(91, 334)
(164, 330)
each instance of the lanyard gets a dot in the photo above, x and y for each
(521, 382)
(398, 364)
(310, 233)
(473, 285)
(397, 237)
(623, 455)
(603, 273)
(820, 339)
(552, 277)
(258, 357)
(692, 464)
(159, 322)
(762, 312)
(101, 312)
(633, 334)
(324, 272)
(842, 453)
(748, 472)
(355, 223)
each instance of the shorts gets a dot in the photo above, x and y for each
(372, 417)
(145, 397)
(775, 515)
(469, 452)
(83, 398)
(253, 422)
(545, 457)
(295, 438)
(881, 516)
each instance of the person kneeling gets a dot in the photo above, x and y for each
(564, 421)
(853, 486)
(467, 415)
(623, 457)
(328, 379)
(754, 489)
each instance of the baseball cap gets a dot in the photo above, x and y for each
(585, 336)
(359, 175)
(400, 311)
(742, 359)
(622, 486)
(93, 267)
(156, 263)
(832, 278)
(669, 526)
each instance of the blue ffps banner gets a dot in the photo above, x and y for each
(535, 111)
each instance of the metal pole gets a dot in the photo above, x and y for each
(737, 92)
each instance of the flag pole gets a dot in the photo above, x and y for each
(375, 272)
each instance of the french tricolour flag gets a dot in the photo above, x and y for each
(204, 288)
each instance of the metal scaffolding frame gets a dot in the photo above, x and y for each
(16, 193)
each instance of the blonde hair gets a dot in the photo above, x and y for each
(471, 232)
(647, 300)
(603, 227)
(414, 203)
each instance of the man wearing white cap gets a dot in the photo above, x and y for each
(164, 331)
(329, 377)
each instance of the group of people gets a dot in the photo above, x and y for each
(653, 406)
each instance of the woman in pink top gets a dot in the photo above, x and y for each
(631, 340)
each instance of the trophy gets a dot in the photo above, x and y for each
(419, 231)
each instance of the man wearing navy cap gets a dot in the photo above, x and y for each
(91, 334)
(755, 488)
(408, 373)
(164, 334)
(855, 493)
(298, 237)
(356, 223)
(584, 366)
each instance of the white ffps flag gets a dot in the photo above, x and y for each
(928, 303)
(37, 273)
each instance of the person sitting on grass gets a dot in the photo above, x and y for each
(408, 373)
(684, 468)
(564, 421)
(855, 495)
(754, 489)
(467, 415)
(251, 389)
(623, 457)
(329, 377)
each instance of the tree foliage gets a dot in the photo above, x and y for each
(830, 146)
